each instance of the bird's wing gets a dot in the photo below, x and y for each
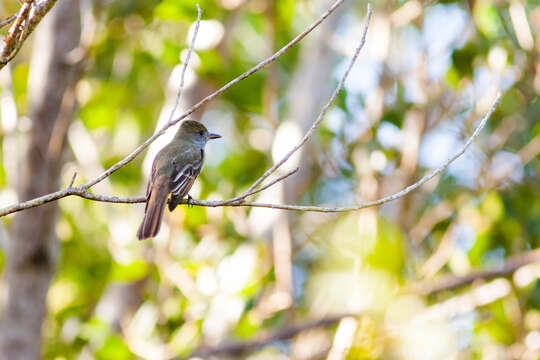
(183, 177)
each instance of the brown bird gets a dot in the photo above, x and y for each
(174, 171)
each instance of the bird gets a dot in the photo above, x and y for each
(174, 171)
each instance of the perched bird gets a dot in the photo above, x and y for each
(174, 170)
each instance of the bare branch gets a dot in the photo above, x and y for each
(186, 63)
(82, 190)
(425, 288)
(324, 110)
(72, 179)
(34, 202)
(262, 188)
(9, 20)
(26, 19)
(237, 348)
(212, 96)
(451, 282)
(12, 42)
(378, 202)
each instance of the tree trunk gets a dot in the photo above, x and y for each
(32, 249)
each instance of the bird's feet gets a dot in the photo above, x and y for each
(189, 201)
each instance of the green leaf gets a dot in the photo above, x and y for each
(132, 272)
(486, 19)
(114, 348)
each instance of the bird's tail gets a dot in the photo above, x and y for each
(155, 204)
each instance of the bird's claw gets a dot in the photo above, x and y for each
(189, 201)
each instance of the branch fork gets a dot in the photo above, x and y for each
(83, 190)
(24, 22)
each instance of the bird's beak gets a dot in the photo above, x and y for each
(213, 136)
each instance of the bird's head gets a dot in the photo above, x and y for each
(196, 132)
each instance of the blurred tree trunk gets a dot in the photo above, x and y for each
(32, 249)
(308, 92)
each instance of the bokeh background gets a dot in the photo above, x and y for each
(428, 72)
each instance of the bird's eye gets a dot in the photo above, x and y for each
(201, 133)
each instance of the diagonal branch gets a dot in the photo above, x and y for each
(82, 190)
(212, 96)
(399, 194)
(9, 19)
(324, 110)
(435, 286)
(275, 181)
(512, 264)
(237, 348)
(25, 21)
(451, 282)
(12, 42)
(186, 62)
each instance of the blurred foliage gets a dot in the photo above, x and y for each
(210, 275)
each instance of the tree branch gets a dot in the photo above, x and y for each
(12, 42)
(262, 188)
(237, 348)
(452, 282)
(212, 96)
(186, 62)
(82, 190)
(9, 19)
(324, 110)
(25, 21)
(430, 287)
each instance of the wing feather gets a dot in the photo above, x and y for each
(183, 179)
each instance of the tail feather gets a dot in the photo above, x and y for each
(155, 204)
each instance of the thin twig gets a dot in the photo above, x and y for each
(186, 63)
(241, 198)
(11, 43)
(381, 201)
(72, 180)
(426, 288)
(237, 348)
(82, 190)
(212, 96)
(31, 13)
(431, 287)
(452, 282)
(9, 20)
(324, 110)
(264, 187)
